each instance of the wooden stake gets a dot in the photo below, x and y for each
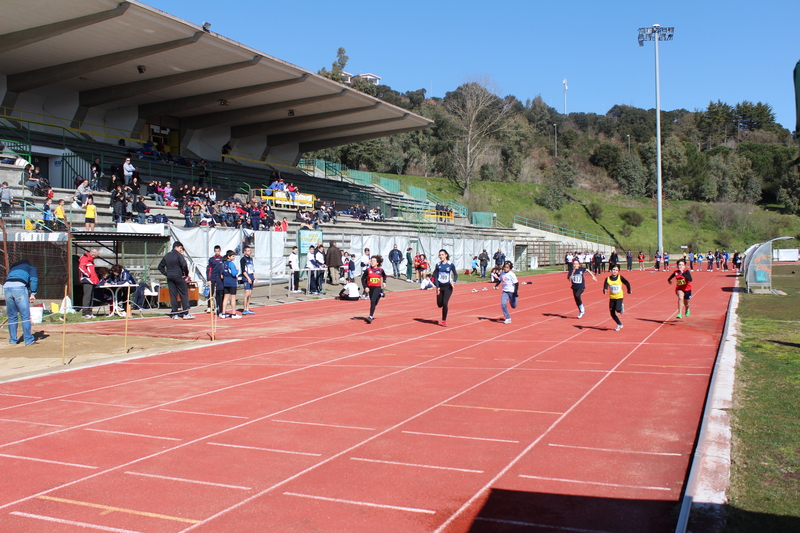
(127, 314)
(64, 329)
(213, 317)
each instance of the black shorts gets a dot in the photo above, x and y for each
(687, 295)
(616, 305)
(229, 290)
(88, 221)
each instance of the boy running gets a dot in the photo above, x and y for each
(249, 279)
(577, 277)
(683, 288)
(374, 280)
(510, 290)
(613, 285)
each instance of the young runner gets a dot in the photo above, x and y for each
(666, 261)
(657, 259)
(444, 277)
(249, 279)
(613, 285)
(294, 266)
(578, 280)
(684, 287)
(510, 290)
(641, 261)
(229, 283)
(710, 258)
(700, 258)
(374, 280)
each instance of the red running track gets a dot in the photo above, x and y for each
(316, 421)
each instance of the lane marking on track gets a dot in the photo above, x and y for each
(21, 396)
(29, 422)
(463, 358)
(496, 359)
(184, 480)
(417, 465)
(365, 504)
(589, 363)
(72, 522)
(667, 366)
(543, 526)
(36, 459)
(203, 414)
(501, 409)
(614, 450)
(103, 404)
(594, 483)
(324, 425)
(131, 434)
(460, 437)
(242, 446)
(109, 509)
(544, 361)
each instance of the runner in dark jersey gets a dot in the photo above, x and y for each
(684, 287)
(578, 280)
(444, 278)
(374, 280)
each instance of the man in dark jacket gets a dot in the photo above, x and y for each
(395, 257)
(333, 258)
(20, 292)
(174, 267)
(214, 280)
(499, 258)
(483, 258)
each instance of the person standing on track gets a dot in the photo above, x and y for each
(684, 287)
(374, 281)
(641, 260)
(613, 285)
(173, 266)
(248, 278)
(229, 282)
(510, 290)
(444, 277)
(577, 277)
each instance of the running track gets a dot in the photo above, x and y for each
(316, 421)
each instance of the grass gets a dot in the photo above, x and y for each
(724, 226)
(765, 477)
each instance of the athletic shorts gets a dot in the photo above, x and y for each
(88, 221)
(687, 295)
(229, 290)
(248, 286)
(616, 305)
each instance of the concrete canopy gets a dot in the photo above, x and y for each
(126, 64)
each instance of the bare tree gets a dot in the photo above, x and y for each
(476, 114)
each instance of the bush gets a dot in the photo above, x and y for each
(695, 214)
(724, 239)
(595, 210)
(626, 230)
(634, 218)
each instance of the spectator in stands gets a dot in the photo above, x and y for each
(153, 194)
(292, 191)
(48, 218)
(136, 184)
(187, 215)
(212, 196)
(141, 210)
(97, 173)
(90, 217)
(225, 150)
(83, 192)
(269, 216)
(118, 201)
(88, 279)
(113, 182)
(197, 213)
(284, 224)
(168, 193)
(334, 261)
(6, 200)
(30, 179)
(255, 215)
(128, 169)
(61, 216)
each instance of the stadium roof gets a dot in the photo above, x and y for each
(95, 56)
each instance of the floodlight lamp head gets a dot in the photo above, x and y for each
(206, 26)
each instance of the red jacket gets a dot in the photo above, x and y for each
(86, 269)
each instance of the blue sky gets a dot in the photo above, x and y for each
(723, 50)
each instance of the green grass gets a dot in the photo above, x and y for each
(722, 226)
(765, 477)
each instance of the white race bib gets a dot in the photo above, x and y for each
(615, 289)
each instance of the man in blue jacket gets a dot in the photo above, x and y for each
(20, 292)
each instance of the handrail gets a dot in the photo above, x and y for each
(563, 231)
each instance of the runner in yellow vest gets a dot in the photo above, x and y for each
(613, 285)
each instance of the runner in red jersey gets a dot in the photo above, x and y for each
(684, 287)
(374, 280)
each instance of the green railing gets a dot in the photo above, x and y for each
(452, 204)
(75, 164)
(417, 192)
(575, 234)
(16, 148)
(483, 220)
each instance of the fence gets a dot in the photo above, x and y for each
(575, 234)
(483, 220)
(49, 256)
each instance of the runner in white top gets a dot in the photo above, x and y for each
(510, 293)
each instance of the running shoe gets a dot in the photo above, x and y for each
(188, 317)
(224, 316)
(176, 317)
(580, 315)
(236, 316)
(248, 312)
(619, 327)
(443, 323)
(679, 316)
(383, 294)
(88, 317)
(369, 320)
(507, 321)
(687, 313)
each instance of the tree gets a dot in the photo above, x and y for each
(338, 66)
(673, 159)
(789, 193)
(606, 155)
(476, 114)
(752, 117)
(733, 177)
(631, 176)
(716, 124)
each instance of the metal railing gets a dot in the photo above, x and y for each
(575, 234)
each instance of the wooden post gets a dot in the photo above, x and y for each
(127, 314)
(213, 315)
(5, 245)
(64, 329)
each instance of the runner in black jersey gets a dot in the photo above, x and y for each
(444, 278)
(578, 280)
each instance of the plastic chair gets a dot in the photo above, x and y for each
(152, 292)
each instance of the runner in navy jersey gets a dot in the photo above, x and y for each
(578, 280)
(444, 278)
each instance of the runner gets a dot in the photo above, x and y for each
(700, 258)
(666, 261)
(613, 285)
(657, 259)
(444, 277)
(249, 279)
(510, 290)
(684, 287)
(576, 276)
(373, 280)
(641, 260)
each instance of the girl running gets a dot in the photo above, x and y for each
(683, 288)
(613, 285)
(510, 290)
(444, 277)
(576, 276)
(374, 280)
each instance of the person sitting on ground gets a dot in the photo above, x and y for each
(426, 283)
(350, 292)
(495, 277)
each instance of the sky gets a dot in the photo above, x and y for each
(732, 50)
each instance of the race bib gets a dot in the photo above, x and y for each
(616, 289)
(578, 278)
(374, 281)
(444, 277)
(681, 281)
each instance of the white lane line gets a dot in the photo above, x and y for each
(198, 482)
(613, 450)
(20, 396)
(72, 522)
(460, 437)
(29, 422)
(326, 425)
(594, 483)
(204, 414)
(543, 526)
(263, 449)
(365, 504)
(46, 461)
(416, 465)
(103, 404)
(131, 434)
